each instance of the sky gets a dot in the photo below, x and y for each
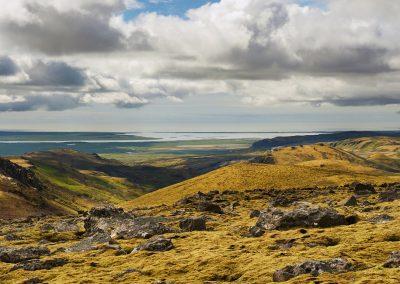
(179, 65)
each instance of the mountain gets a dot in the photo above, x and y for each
(318, 138)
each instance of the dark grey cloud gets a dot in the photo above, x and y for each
(7, 66)
(55, 74)
(63, 32)
(381, 100)
(42, 102)
(346, 60)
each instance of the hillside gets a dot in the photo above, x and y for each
(318, 138)
(301, 214)
(383, 151)
(66, 181)
(291, 167)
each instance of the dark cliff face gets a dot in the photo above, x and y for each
(24, 176)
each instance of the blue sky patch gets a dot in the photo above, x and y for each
(166, 7)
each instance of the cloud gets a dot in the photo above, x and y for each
(263, 52)
(55, 74)
(7, 66)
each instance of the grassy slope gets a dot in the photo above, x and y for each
(300, 167)
(383, 151)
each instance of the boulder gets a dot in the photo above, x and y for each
(381, 219)
(90, 243)
(352, 201)
(313, 267)
(137, 229)
(158, 243)
(15, 255)
(362, 188)
(389, 195)
(210, 207)
(37, 264)
(256, 231)
(61, 226)
(121, 225)
(393, 260)
(304, 215)
(255, 213)
(193, 224)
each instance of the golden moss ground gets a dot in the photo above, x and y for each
(223, 255)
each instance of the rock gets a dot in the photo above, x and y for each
(210, 207)
(193, 224)
(140, 229)
(380, 219)
(363, 188)
(352, 201)
(255, 213)
(304, 215)
(393, 260)
(389, 196)
(313, 267)
(155, 244)
(256, 231)
(34, 280)
(121, 225)
(61, 226)
(36, 264)
(282, 201)
(12, 237)
(91, 242)
(15, 255)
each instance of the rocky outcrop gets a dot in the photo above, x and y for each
(304, 215)
(156, 244)
(121, 225)
(90, 243)
(313, 267)
(210, 207)
(15, 255)
(393, 260)
(193, 224)
(362, 188)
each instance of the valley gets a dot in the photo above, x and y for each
(239, 214)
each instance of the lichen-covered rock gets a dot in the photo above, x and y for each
(90, 243)
(393, 260)
(304, 215)
(313, 267)
(256, 231)
(255, 213)
(390, 195)
(37, 264)
(121, 225)
(193, 224)
(362, 188)
(61, 226)
(210, 207)
(15, 254)
(380, 219)
(352, 201)
(156, 244)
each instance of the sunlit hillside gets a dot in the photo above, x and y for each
(293, 167)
